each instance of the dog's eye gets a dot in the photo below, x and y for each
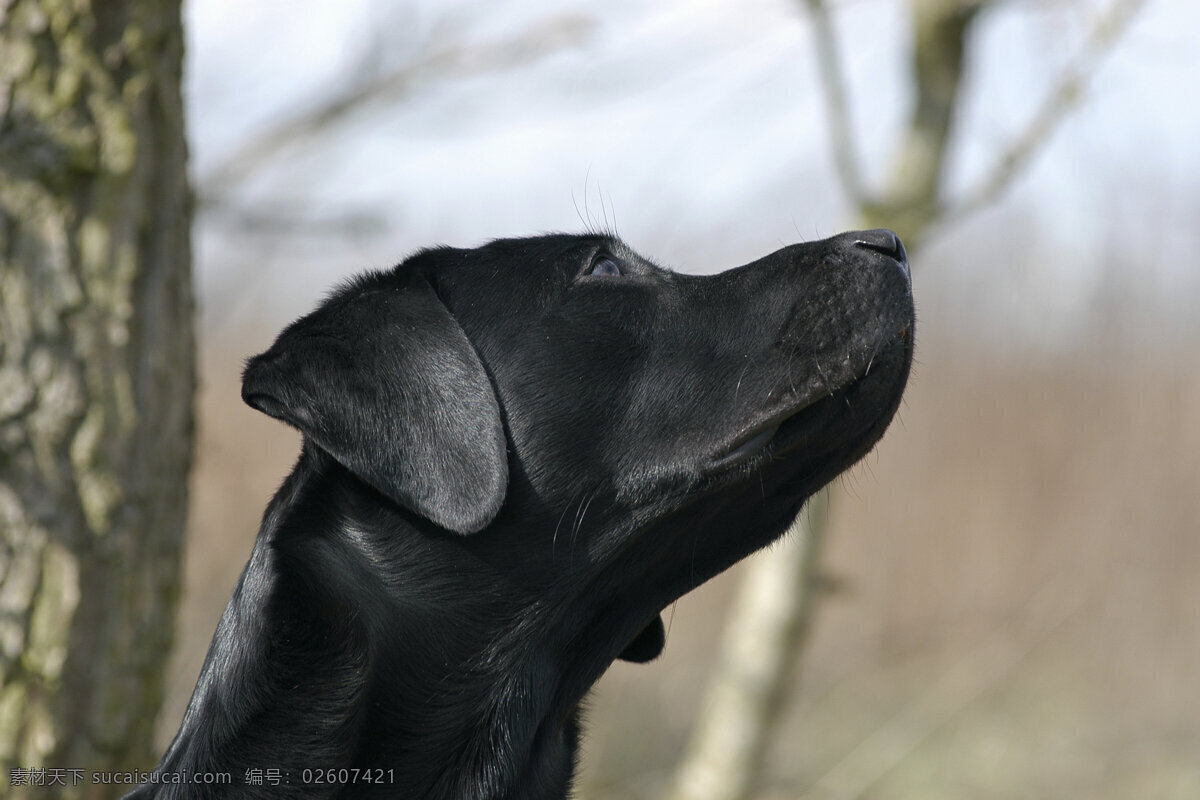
(605, 267)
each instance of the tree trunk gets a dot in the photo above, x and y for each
(912, 197)
(97, 372)
(768, 625)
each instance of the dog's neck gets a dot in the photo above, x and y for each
(344, 668)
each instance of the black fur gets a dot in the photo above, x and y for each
(514, 458)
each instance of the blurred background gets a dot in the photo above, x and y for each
(1010, 604)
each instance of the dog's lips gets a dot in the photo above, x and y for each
(797, 421)
(752, 442)
(755, 441)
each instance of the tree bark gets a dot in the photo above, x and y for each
(97, 374)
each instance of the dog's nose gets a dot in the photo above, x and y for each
(883, 241)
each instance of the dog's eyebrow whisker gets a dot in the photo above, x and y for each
(578, 213)
(587, 212)
(603, 207)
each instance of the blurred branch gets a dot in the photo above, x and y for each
(349, 223)
(1065, 94)
(837, 113)
(973, 677)
(910, 199)
(453, 60)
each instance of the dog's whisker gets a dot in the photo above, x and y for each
(578, 213)
(603, 207)
(554, 537)
(670, 621)
(738, 387)
(582, 512)
(822, 376)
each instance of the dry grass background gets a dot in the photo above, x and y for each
(1014, 607)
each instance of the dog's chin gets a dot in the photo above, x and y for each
(757, 488)
(828, 429)
(752, 493)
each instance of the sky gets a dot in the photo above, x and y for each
(696, 129)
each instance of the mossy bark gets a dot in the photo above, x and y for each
(97, 373)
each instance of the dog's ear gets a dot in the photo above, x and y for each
(648, 644)
(386, 382)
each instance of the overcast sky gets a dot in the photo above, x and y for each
(697, 126)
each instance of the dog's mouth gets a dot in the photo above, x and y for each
(793, 453)
(750, 444)
(813, 421)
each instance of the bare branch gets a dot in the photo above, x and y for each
(1062, 98)
(837, 112)
(454, 60)
(291, 222)
(910, 196)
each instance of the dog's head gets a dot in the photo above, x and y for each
(627, 430)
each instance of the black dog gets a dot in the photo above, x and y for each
(514, 458)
